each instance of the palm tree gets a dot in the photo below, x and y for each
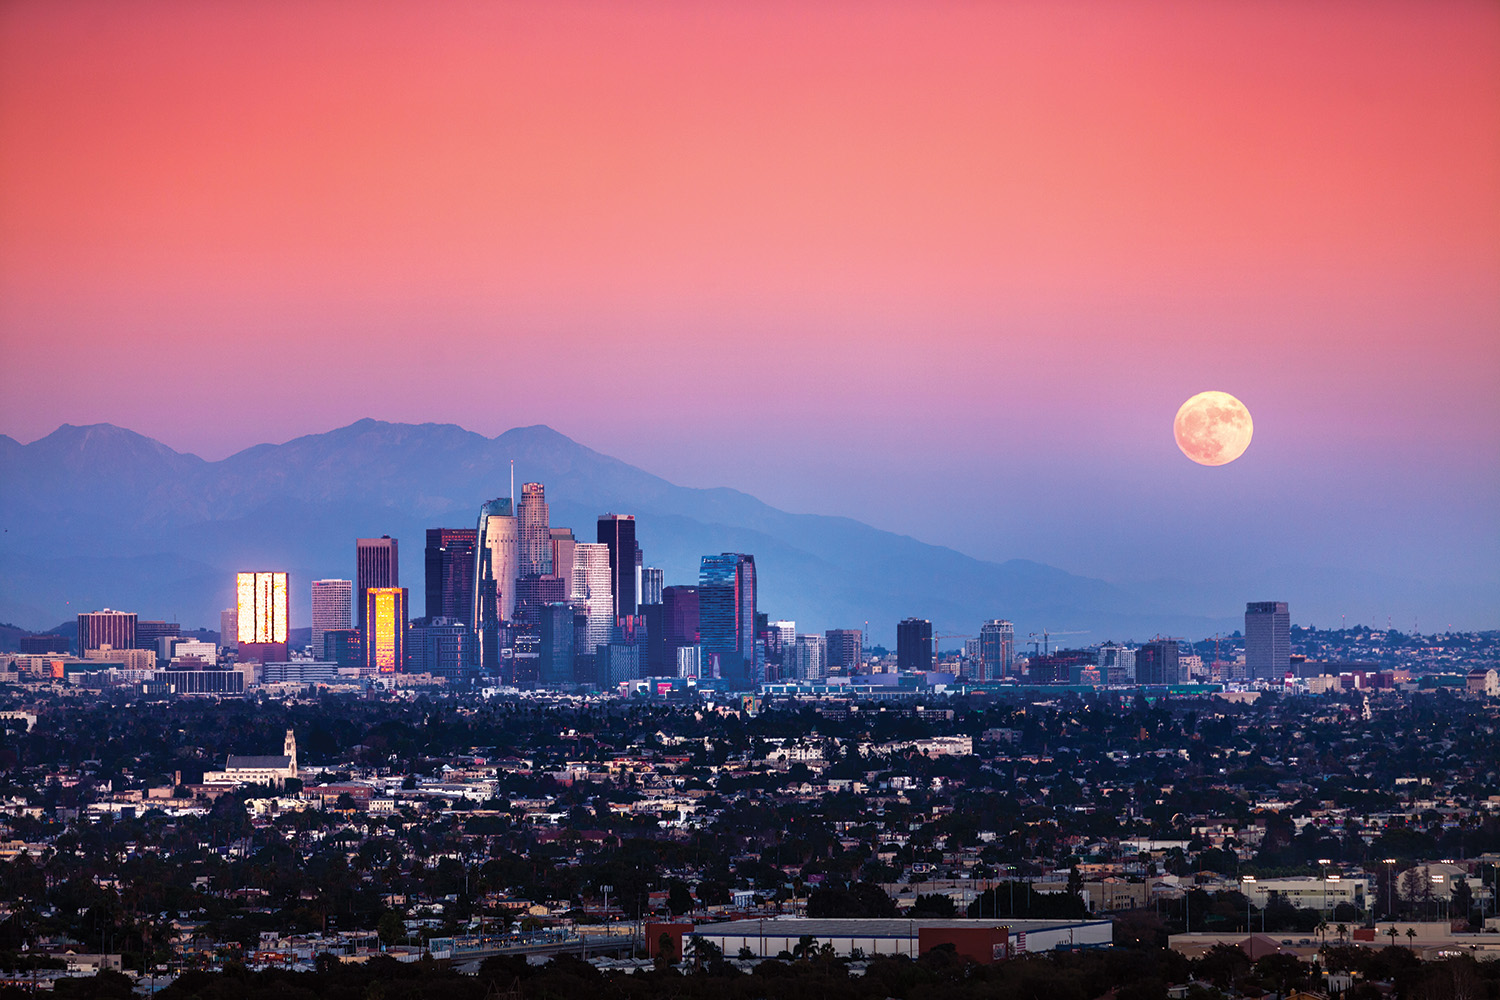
(1411, 936)
(1391, 930)
(1343, 931)
(1322, 930)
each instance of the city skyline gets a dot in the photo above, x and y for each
(989, 252)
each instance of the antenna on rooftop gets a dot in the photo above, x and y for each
(513, 482)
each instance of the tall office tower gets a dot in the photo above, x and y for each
(148, 634)
(534, 534)
(1157, 662)
(375, 565)
(914, 644)
(651, 580)
(591, 593)
(1116, 664)
(555, 667)
(533, 593)
(1268, 640)
(496, 559)
(261, 622)
(229, 629)
(846, 650)
(997, 649)
(115, 629)
(617, 533)
(449, 577)
(805, 658)
(331, 608)
(385, 629)
(562, 554)
(726, 616)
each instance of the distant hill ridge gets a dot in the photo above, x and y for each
(98, 516)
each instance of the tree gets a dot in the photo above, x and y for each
(679, 899)
(391, 927)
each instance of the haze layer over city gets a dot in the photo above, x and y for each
(765, 500)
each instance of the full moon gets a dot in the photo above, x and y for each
(1213, 428)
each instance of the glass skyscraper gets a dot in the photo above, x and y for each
(1268, 640)
(617, 531)
(449, 577)
(534, 533)
(726, 615)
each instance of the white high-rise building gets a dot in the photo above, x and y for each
(591, 592)
(332, 604)
(806, 658)
(534, 533)
(499, 556)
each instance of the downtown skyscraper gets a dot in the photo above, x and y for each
(617, 532)
(1268, 640)
(331, 609)
(448, 562)
(533, 533)
(726, 615)
(376, 564)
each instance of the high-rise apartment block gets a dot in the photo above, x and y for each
(845, 649)
(1268, 640)
(331, 608)
(1157, 662)
(229, 629)
(914, 644)
(617, 533)
(448, 578)
(997, 649)
(805, 658)
(115, 629)
(384, 631)
(262, 617)
(376, 564)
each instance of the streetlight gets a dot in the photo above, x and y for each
(1323, 864)
(1437, 880)
(1390, 885)
(1246, 883)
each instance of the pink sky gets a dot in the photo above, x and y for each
(967, 242)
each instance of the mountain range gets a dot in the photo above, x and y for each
(99, 516)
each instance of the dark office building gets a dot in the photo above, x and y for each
(147, 633)
(47, 643)
(679, 612)
(343, 646)
(532, 594)
(450, 573)
(654, 662)
(1157, 662)
(555, 665)
(618, 532)
(442, 647)
(726, 615)
(1268, 640)
(914, 644)
(375, 565)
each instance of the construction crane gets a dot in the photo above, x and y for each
(1033, 642)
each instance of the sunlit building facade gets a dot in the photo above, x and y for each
(385, 629)
(262, 616)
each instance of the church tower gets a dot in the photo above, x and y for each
(289, 750)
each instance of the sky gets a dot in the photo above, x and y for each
(949, 268)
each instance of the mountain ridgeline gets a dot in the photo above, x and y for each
(99, 516)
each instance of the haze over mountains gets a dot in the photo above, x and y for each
(101, 516)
